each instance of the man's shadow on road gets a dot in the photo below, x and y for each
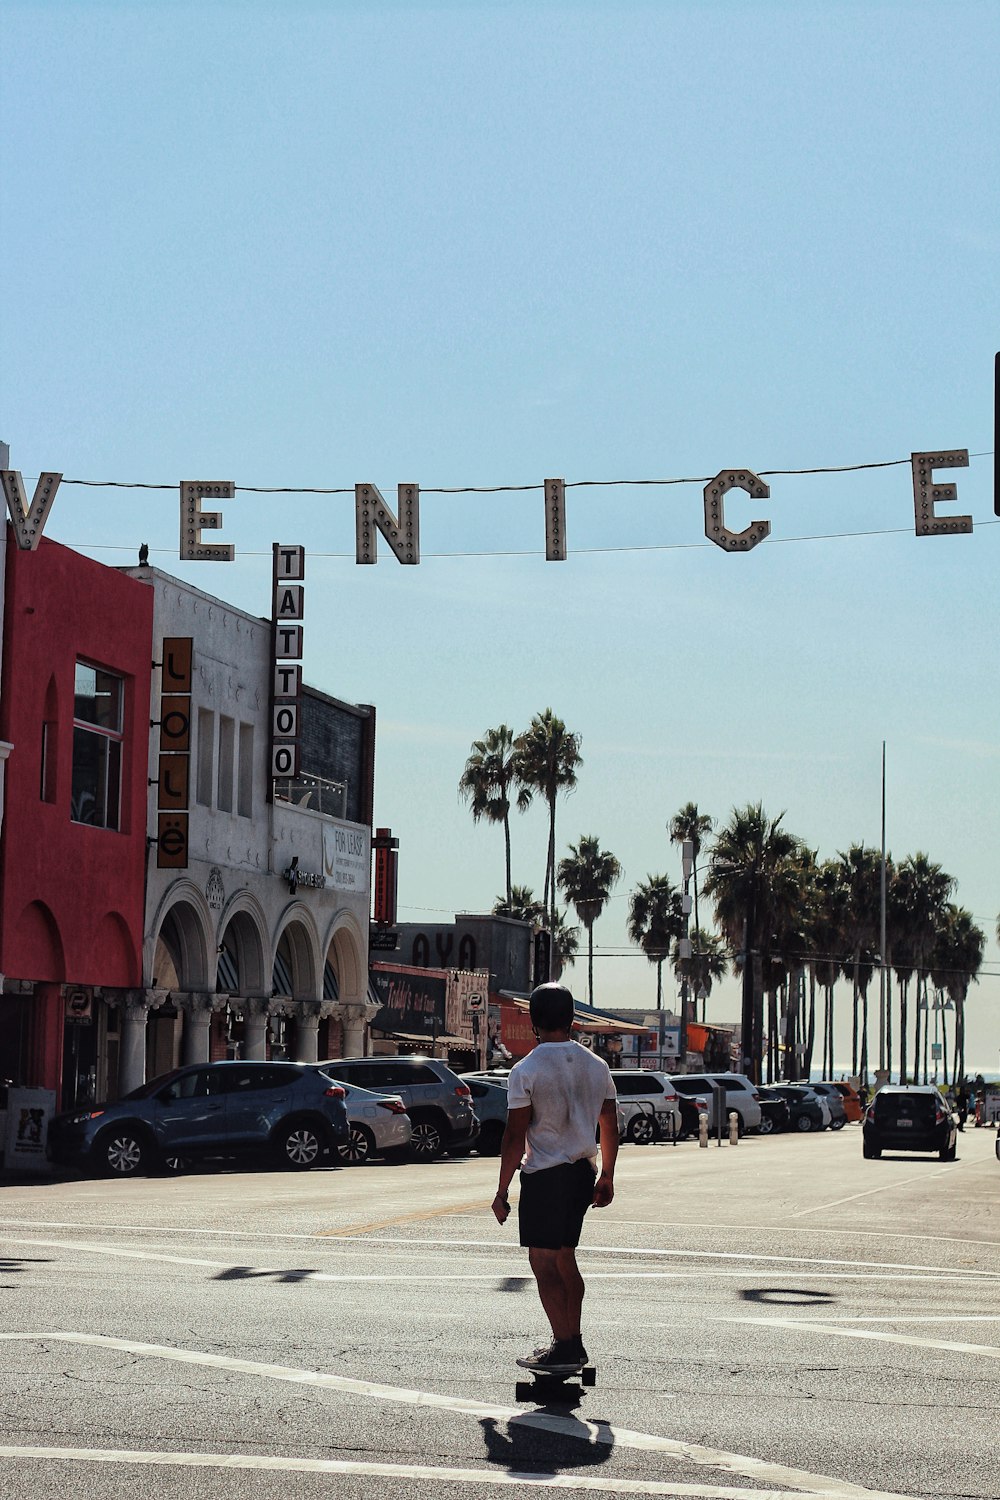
(530, 1449)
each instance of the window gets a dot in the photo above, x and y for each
(206, 755)
(245, 774)
(199, 1085)
(226, 747)
(97, 747)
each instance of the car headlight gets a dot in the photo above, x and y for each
(90, 1114)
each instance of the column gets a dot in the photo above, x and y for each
(132, 1060)
(197, 1026)
(306, 1033)
(353, 1017)
(255, 1014)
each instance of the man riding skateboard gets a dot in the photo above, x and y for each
(558, 1098)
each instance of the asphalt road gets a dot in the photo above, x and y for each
(775, 1319)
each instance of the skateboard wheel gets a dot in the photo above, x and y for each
(589, 1374)
(523, 1390)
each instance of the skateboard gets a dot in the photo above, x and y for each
(544, 1385)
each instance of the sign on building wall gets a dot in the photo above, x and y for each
(287, 612)
(386, 867)
(174, 762)
(412, 1004)
(346, 857)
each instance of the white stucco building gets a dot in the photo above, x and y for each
(257, 900)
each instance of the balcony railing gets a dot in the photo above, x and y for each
(314, 792)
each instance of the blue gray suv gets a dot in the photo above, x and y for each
(292, 1113)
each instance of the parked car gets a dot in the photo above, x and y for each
(489, 1100)
(834, 1098)
(807, 1110)
(291, 1112)
(910, 1117)
(438, 1102)
(741, 1095)
(852, 1101)
(660, 1114)
(378, 1125)
(774, 1111)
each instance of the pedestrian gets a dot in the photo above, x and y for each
(559, 1099)
(962, 1103)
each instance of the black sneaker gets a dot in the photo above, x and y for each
(560, 1358)
(579, 1350)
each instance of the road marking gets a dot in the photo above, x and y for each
(686, 1224)
(742, 1256)
(904, 1318)
(479, 1477)
(689, 1224)
(990, 1351)
(411, 1278)
(596, 1434)
(884, 1187)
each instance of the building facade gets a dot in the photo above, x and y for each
(256, 945)
(74, 709)
(163, 899)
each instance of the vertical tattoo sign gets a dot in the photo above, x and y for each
(288, 599)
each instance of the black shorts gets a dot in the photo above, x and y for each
(553, 1204)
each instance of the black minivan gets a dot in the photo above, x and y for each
(910, 1117)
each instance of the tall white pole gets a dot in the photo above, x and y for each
(881, 972)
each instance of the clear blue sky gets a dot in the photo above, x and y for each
(486, 243)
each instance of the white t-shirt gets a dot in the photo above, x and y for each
(565, 1086)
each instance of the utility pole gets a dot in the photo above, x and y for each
(684, 947)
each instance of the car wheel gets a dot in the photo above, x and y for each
(838, 1124)
(427, 1140)
(358, 1148)
(641, 1130)
(766, 1125)
(123, 1152)
(298, 1146)
(489, 1139)
(948, 1153)
(872, 1153)
(804, 1123)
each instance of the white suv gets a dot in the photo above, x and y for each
(741, 1095)
(649, 1103)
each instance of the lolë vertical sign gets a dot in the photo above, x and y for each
(286, 687)
(174, 766)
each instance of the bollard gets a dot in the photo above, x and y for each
(734, 1128)
(702, 1128)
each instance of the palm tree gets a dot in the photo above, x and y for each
(861, 877)
(823, 945)
(755, 881)
(565, 942)
(547, 758)
(709, 961)
(926, 889)
(586, 877)
(690, 825)
(696, 973)
(655, 919)
(956, 959)
(487, 780)
(520, 903)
